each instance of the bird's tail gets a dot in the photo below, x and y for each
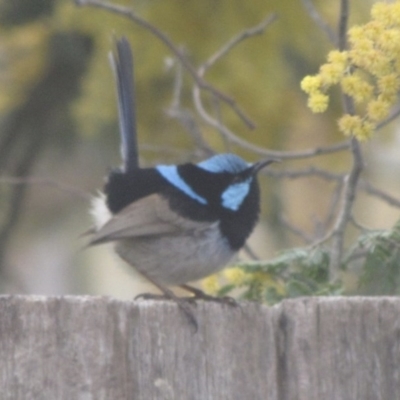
(122, 64)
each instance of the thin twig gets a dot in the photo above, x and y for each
(185, 117)
(355, 255)
(335, 201)
(303, 173)
(358, 225)
(256, 30)
(295, 229)
(204, 85)
(14, 180)
(351, 181)
(283, 155)
(250, 252)
(350, 188)
(342, 220)
(392, 116)
(343, 22)
(178, 85)
(128, 13)
(373, 191)
(319, 21)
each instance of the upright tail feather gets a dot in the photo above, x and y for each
(122, 65)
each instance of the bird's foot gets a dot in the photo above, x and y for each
(182, 303)
(200, 295)
(151, 296)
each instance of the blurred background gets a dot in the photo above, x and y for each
(59, 132)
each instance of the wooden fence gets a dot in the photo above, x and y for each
(94, 348)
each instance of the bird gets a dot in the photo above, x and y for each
(173, 223)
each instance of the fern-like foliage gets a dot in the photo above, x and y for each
(297, 272)
(381, 265)
(374, 260)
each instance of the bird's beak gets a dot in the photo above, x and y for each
(258, 166)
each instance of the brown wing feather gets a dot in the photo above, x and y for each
(148, 216)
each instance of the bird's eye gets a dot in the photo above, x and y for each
(236, 179)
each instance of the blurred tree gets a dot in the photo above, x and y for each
(18, 12)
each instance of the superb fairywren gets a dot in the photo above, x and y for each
(173, 223)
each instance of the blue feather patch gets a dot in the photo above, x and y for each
(232, 198)
(170, 173)
(224, 163)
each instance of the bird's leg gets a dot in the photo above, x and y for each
(169, 294)
(199, 294)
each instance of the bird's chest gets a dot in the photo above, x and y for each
(180, 258)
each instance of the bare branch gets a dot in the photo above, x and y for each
(128, 13)
(201, 84)
(343, 22)
(250, 252)
(13, 180)
(304, 173)
(350, 188)
(343, 218)
(373, 191)
(393, 115)
(295, 229)
(358, 225)
(185, 117)
(319, 21)
(335, 200)
(256, 30)
(284, 155)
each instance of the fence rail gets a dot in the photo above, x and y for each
(101, 348)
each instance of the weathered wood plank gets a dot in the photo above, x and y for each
(102, 348)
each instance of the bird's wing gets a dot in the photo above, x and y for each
(148, 216)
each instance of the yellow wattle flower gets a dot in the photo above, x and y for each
(318, 102)
(235, 275)
(211, 284)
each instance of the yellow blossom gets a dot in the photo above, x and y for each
(318, 102)
(349, 123)
(389, 41)
(331, 73)
(378, 109)
(396, 13)
(373, 30)
(384, 13)
(396, 65)
(354, 86)
(236, 276)
(337, 57)
(211, 284)
(389, 86)
(368, 72)
(355, 34)
(390, 82)
(364, 44)
(388, 97)
(353, 125)
(366, 130)
(271, 281)
(311, 84)
(373, 60)
(377, 63)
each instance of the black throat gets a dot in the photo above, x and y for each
(237, 225)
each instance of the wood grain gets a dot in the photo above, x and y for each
(101, 348)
